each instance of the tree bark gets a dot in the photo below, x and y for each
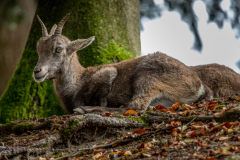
(111, 21)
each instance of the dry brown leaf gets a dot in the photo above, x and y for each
(235, 148)
(197, 156)
(98, 155)
(223, 138)
(212, 105)
(160, 108)
(197, 127)
(191, 134)
(127, 153)
(146, 155)
(224, 152)
(202, 132)
(139, 131)
(174, 107)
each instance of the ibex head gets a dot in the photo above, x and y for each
(54, 49)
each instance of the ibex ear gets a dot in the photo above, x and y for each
(80, 44)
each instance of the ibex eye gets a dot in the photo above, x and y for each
(58, 50)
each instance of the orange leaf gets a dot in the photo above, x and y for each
(202, 132)
(160, 108)
(235, 148)
(212, 105)
(139, 131)
(130, 112)
(194, 134)
(54, 119)
(174, 107)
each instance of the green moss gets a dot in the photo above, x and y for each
(7, 128)
(71, 124)
(80, 154)
(140, 119)
(112, 53)
(22, 127)
(120, 116)
(61, 154)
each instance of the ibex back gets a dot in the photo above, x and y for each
(221, 80)
(135, 83)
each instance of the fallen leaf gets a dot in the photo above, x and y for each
(235, 148)
(108, 114)
(139, 131)
(223, 138)
(174, 107)
(212, 105)
(160, 108)
(189, 107)
(224, 152)
(98, 155)
(145, 155)
(202, 132)
(127, 153)
(131, 112)
(191, 134)
(197, 156)
(145, 150)
(227, 124)
(230, 130)
(95, 151)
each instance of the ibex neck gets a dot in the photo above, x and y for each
(69, 76)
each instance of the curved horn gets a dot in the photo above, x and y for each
(44, 29)
(53, 29)
(58, 31)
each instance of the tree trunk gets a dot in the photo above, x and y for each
(115, 23)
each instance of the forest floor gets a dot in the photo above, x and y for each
(207, 130)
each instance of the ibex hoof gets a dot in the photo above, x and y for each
(79, 110)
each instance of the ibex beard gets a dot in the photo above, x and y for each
(134, 84)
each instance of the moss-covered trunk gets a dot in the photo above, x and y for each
(115, 23)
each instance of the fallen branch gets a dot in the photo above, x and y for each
(116, 143)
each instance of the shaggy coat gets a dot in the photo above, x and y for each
(221, 80)
(135, 84)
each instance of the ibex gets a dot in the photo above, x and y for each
(134, 84)
(221, 80)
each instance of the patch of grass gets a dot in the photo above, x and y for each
(220, 106)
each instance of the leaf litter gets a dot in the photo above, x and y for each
(207, 130)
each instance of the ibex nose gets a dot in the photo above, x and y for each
(37, 70)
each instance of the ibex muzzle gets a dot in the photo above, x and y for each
(135, 83)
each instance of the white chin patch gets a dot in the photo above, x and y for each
(40, 79)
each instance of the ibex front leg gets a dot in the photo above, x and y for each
(148, 94)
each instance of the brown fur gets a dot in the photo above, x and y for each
(134, 83)
(222, 80)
